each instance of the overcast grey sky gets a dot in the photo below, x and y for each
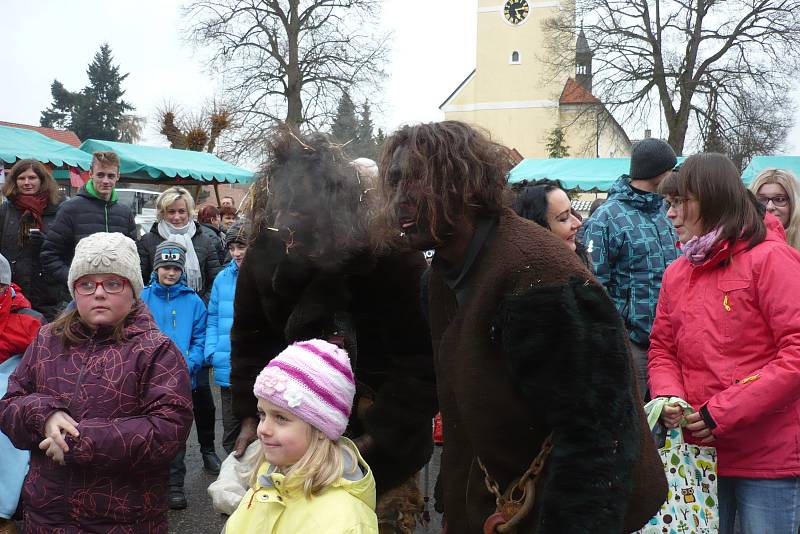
(433, 49)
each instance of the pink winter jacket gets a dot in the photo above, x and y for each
(133, 404)
(727, 336)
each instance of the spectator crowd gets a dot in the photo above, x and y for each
(537, 335)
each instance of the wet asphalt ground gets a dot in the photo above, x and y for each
(200, 518)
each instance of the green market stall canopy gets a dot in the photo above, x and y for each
(586, 174)
(151, 163)
(759, 163)
(20, 143)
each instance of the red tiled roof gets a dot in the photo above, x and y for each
(64, 136)
(574, 93)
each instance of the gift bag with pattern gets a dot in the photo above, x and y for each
(691, 505)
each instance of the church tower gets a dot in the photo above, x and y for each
(510, 93)
(583, 62)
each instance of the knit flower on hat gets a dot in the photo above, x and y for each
(293, 396)
(101, 256)
(275, 380)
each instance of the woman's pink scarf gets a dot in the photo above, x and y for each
(698, 248)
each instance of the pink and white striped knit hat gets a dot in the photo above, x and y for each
(313, 380)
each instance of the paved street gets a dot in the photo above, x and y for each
(200, 518)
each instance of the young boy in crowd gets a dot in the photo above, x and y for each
(179, 313)
(220, 321)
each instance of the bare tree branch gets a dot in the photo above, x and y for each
(672, 51)
(286, 61)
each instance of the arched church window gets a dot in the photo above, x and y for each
(514, 57)
(581, 69)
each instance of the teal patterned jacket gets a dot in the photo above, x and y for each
(631, 242)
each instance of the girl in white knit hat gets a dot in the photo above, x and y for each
(102, 399)
(311, 480)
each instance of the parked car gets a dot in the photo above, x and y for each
(143, 204)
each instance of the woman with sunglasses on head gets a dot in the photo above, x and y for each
(102, 399)
(726, 339)
(778, 191)
(546, 203)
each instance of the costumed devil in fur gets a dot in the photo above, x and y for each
(531, 356)
(311, 272)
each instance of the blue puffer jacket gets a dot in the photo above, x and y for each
(180, 314)
(220, 321)
(631, 243)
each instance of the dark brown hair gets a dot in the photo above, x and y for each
(458, 168)
(75, 331)
(725, 202)
(669, 185)
(227, 210)
(48, 184)
(312, 174)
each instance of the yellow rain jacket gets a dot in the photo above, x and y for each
(346, 507)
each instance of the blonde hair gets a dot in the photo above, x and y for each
(788, 182)
(321, 465)
(173, 194)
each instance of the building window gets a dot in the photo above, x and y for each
(514, 58)
(581, 69)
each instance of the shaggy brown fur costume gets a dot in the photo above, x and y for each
(538, 349)
(322, 280)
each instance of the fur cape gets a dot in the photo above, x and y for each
(539, 349)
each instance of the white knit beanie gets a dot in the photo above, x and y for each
(104, 253)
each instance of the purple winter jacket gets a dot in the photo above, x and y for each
(133, 404)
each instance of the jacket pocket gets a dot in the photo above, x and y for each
(734, 296)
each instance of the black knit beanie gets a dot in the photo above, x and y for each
(650, 158)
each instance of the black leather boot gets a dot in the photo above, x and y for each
(211, 462)
(177, 498)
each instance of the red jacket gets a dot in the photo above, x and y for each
(18, 323)
(132, 401)
(727, 337)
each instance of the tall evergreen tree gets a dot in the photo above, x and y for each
(366, 147)
(59, 114)
(345, 124)
(97, 110)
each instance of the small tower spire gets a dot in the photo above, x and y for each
(583, 61)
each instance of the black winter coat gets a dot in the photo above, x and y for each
(206, 245)
(224, 257)
(46, 296)
(372, 304)
(79, 217)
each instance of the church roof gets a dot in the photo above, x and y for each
(63, 136)
(582, 46)
(574, 93)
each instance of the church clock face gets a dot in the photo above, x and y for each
(516, 11)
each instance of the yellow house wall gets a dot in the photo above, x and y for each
(580, 125)
(523, 129)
